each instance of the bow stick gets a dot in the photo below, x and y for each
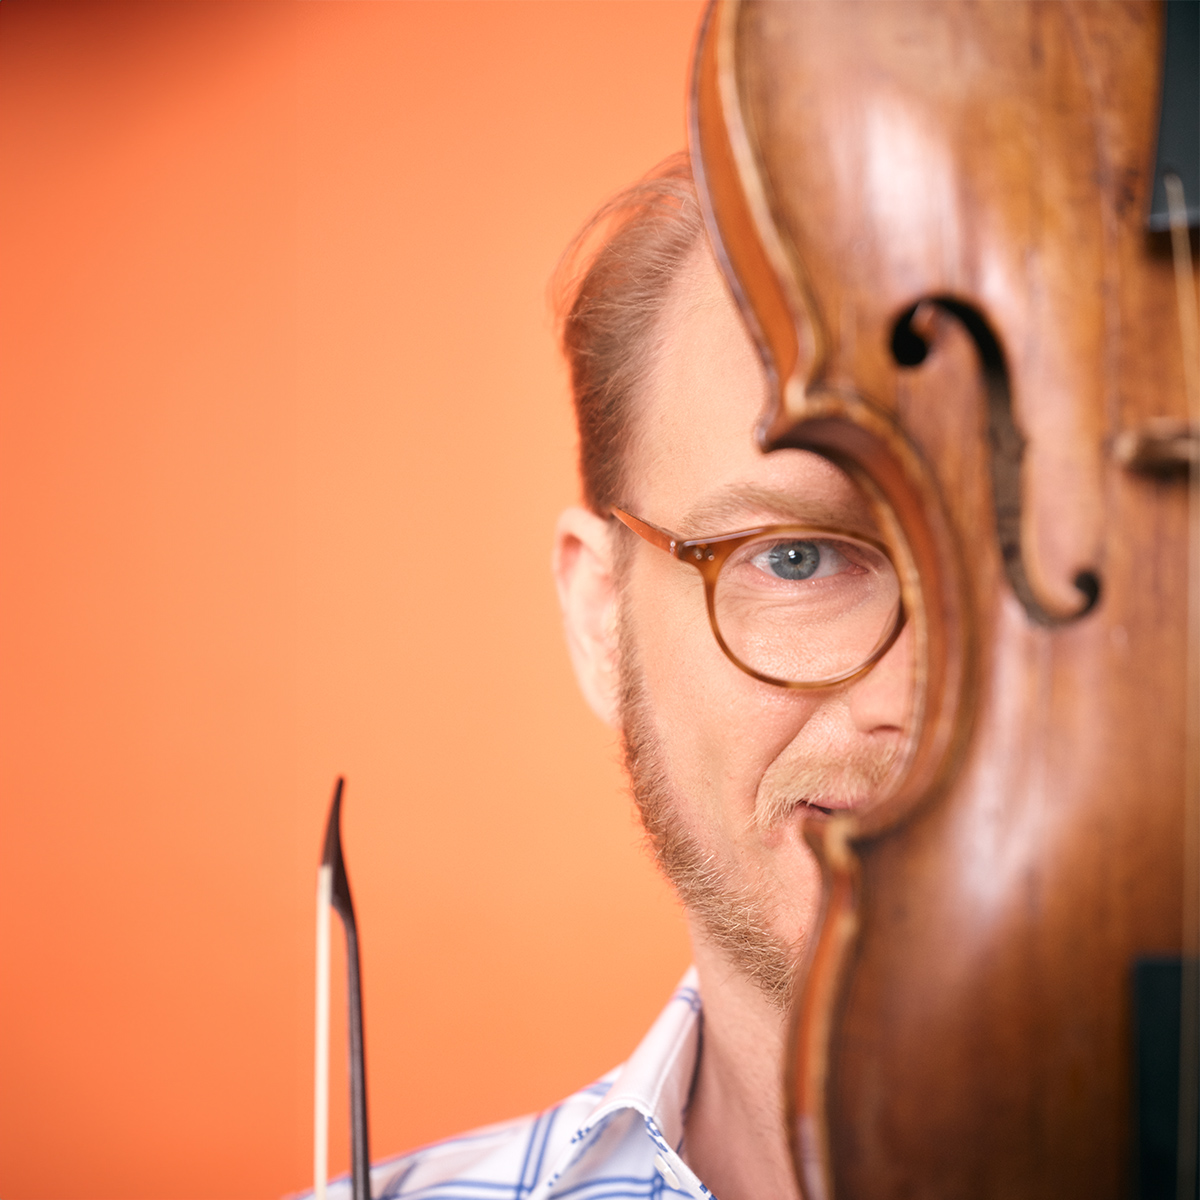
(333, 890)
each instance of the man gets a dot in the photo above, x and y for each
(724, 765)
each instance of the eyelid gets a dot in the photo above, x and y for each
(792, 531)
(828, 547)
(855, 551)
(838, 542)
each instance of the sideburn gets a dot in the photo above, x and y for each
(736, 919)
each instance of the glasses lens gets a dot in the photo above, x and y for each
(805, 608)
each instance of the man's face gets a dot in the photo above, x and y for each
(724, 766)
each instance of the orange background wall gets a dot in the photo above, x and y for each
(283, 435)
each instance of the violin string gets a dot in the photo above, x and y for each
(1189, 1025)
(321, 1070)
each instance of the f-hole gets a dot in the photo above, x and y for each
(910, 348)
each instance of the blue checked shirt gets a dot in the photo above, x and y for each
(616, 1140)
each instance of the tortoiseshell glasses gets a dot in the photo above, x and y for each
(798, 606)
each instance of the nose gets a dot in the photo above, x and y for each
(881, 700)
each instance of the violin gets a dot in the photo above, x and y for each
(933, 216)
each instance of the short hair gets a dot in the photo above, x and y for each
(612, 284)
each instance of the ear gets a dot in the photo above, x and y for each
(583, 571)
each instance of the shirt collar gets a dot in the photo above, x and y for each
(657, 1078)
(649, 1093)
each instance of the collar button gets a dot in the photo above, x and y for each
(664, 1169)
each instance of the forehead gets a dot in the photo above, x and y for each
(696, 465)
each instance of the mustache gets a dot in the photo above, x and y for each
(849, 781)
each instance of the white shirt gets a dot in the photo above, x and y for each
(618, 1139)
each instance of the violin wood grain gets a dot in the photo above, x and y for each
(964, 1028)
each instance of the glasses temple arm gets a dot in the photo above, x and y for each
(651, 533)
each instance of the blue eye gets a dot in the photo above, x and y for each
(794, 560)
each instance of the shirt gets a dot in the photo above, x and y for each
(618, 1139)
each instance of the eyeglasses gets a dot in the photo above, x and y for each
(798, 606)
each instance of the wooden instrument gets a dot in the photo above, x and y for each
(933, 215)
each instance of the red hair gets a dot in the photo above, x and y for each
(612, 286)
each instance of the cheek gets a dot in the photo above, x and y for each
(719, 729)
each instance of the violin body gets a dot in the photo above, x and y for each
(933, 217)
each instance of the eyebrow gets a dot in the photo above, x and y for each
(745, 505)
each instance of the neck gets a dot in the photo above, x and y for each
(736, 1137)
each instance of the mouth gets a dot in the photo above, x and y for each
(821, 790)
(827, 806)
(808, 807)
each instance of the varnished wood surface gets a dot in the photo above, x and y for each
(858, 159)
